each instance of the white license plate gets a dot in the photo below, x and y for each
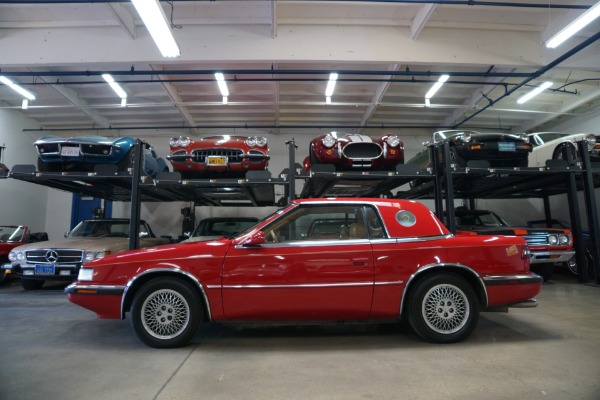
(216, 161)
(506, 146)
(69, 151)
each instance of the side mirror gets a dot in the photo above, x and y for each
(144, 235)
(256, 239)
(66, 234)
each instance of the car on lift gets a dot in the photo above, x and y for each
(60, 260)
(354, 152)
(12, 236)
(548, 246)
(561, 146)
(397, 261)
(586, 238)
(219, 155)
(499, 149)
(217, 227)
(80, 154)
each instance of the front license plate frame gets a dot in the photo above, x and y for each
(216, 161)
(69, 151)
(507, 146)
(44, 269)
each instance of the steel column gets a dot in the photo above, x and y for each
(134, 221)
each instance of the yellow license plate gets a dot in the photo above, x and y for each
(216, 160)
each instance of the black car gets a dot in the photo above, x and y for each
(499, 149)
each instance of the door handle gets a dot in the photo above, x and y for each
(360, 262)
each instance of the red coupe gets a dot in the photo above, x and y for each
(355, 152)
(218, 155)
(316, 260)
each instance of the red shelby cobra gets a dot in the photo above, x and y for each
(316, 260)
(355, 152)
(218, 154)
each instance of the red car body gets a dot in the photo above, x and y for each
(385, 261)
(218, 154)
(11, 236)
(355, 152)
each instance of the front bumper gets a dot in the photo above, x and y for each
(104, 300)
(545, 257)
(59, 272)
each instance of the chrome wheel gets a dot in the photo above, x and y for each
(445, 308)
(165, 314)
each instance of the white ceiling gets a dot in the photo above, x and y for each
(278, 54)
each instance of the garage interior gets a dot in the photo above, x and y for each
(277, 58)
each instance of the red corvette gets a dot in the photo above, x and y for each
(316, 260)
(355, 152)
(218, 154)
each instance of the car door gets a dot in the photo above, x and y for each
(309, 268)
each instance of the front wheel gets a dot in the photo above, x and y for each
(443, 308)
(166, 313)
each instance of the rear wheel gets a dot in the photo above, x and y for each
(32, 284)
(165, 313)
(443, 308)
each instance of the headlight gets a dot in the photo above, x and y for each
(553, 240)
(174, 142)
(393, 141)
(466, 137)
(16, 255)
(261, 141)
(92, 255)
(184, 141)
(524, 137)
(591, 140)
(328, 141)
(564, 239)
(251, 141)
(85, 274)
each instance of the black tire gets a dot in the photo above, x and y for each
(573, 267)
(443, 308)
(564, 151)
(2, 275)
(32, 284)
(166, 313)
(313, 157)
(455, 158)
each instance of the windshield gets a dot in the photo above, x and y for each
(480, 219)
(11, 233)
(103, 228)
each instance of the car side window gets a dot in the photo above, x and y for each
(374, 224)
(318, 222)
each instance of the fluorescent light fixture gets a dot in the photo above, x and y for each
(427, 102)
(225, 100)
(222, 84)
(436, 86)
(24, 104)
(328, 100)
(117, 88)
(534, 92)
(155, 20)
(578, 24)
(331, 84)
(28, 95)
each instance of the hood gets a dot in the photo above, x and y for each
(85, 140)
(89, 243)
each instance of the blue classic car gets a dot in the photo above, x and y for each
(58, 153)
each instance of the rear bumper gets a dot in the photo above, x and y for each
(512, 290)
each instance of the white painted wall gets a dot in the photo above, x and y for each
(21, 203)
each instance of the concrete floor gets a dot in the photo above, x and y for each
(52, 349)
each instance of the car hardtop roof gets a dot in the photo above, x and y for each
(361, 200)
(460, 210)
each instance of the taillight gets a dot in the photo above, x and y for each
(526, 254)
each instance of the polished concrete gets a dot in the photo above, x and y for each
(52, 349)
